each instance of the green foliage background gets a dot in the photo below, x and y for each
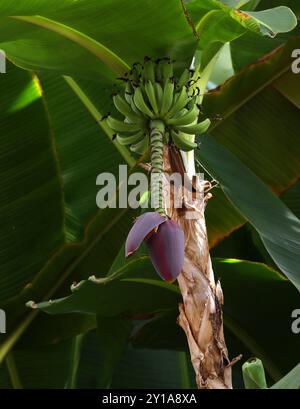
(121, 331)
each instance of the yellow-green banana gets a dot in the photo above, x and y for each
(195, 129)
(185, 76)
(179, 103)
(167, 98)
(151, 96)
(166, 70)
(158, 94)
(141, 147)
(182, 142)
(120, 126)
(149, 70)
(124, 108)
(129, 140)
(128, 92)
(187, 119)
(140, 102)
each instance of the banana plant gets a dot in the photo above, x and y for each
(166, 116)
(161, 119)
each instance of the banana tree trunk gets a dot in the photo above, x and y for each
(200, 314)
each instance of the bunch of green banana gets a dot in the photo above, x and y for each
(153, 93)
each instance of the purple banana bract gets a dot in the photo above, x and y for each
(142, 227)
(165, 242)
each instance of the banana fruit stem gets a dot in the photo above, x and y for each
(157, 130)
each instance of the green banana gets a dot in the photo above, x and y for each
(134, 108)
(128, 120)
(128, 140)
(166, 70)
(166, 137)
(124, 108)
(195, 129)
(158, 94)
(128, 92)
(179, 103)
(141, 147)
(158, 71)
(149, 71)
(187, 119)
(181, 113)
(185, 76)
(151, 96)
(167, 98)
(182, 142)
(140, 102)
(136, 72)
(120, 126)
(193, 101)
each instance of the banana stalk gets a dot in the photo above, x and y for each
(200, 314)
(157, 130)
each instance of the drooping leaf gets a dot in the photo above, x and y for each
(131, 290)
(273, 21)
(219, 22)
(218, 26)
(293, 4)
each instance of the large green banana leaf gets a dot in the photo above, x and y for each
(54, 179)
(252, 326)
(289, 381)
(88, 42)
(98, 352)
(246, 286)
(260, 126)
(277, 226)
(40, 367)
(145, 368)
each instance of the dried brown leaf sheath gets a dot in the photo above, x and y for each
(201, 311)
